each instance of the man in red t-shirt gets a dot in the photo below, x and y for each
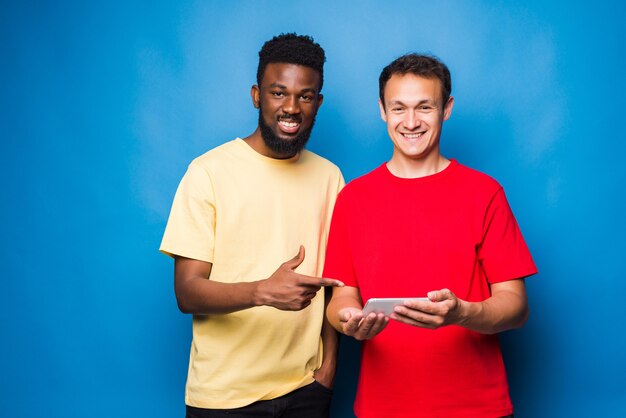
(422, 225)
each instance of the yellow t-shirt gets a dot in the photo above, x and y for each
(247, 214)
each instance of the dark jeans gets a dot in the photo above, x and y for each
(311, 401)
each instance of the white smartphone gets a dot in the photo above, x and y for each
(384, 305)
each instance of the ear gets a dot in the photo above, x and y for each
(447, 109)
(255, 93)
(383, 113)
(320, 99)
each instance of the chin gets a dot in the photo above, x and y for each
(287, 147)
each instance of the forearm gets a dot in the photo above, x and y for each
(501, 312)
(197, 294)
(330, 343)
(284, 289)
(203, 296)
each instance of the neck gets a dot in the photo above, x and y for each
(415, 168)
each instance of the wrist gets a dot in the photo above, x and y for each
(258, 295)
(468, 310)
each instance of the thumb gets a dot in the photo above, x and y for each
(440, 295)
(433, 295)
(297, 260)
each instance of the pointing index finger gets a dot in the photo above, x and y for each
(318, 281)
(331, 282)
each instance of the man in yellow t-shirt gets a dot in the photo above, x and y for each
(261, 345)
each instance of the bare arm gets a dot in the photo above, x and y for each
(345, 314)
(284, 289)
(325, 375)
(507, 308)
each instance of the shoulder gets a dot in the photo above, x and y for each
(375, 176)
(320, 163)
(218, 153)
(225, 158)
(476, 180)
(364, 184)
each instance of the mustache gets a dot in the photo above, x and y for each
(290, 118)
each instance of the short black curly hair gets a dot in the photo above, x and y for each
(427, 66)
(291, 48)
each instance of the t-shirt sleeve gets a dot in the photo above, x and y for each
(339, 264)
(503, 252)
(190, 230)
(341, 183)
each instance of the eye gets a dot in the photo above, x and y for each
(277, 94)
(306, 97)
(426, 108)
(397, 109)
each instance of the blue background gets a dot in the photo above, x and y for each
(103, 105)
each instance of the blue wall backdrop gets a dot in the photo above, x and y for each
(103, 105)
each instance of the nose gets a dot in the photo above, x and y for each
(411, 120)
(291, 105)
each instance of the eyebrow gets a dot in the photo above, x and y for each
(421, 102)
(304, 90)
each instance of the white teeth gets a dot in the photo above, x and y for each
(288, 124)
(412, 136)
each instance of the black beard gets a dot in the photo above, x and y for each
(282, 147)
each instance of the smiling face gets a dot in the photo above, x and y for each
(414, 113)
(287, 99)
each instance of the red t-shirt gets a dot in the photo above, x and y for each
(396, 237)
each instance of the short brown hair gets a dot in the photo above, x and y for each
(426, 66)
